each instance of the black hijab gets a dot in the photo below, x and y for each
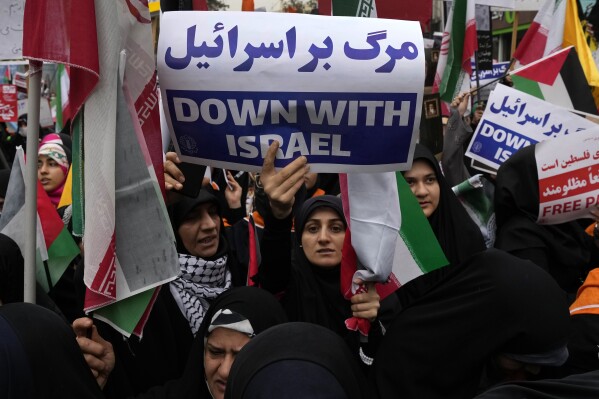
(4, 177)
(260, 308)
(182, 208)
(566, 246)
(296, 360)
(457, 233)
(315, 296)
(11, 271)
(40, 358)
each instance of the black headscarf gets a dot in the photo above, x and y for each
(566, 247)
(494, 303)
(11, 271)
(256, 305)
(4, 177)
(264, 368)
(182, 208)
(40, 358)
(578, 386)
(457, 233)
(315, 296)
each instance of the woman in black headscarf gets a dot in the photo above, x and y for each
(33, 342)
(458, 235)
(244, 310)
(495, 313)
(296, 360)
(207, 269)
(261, 311)
(564, 250)
(306, 271)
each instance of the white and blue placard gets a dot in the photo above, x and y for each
(345, 92)
(513, 120)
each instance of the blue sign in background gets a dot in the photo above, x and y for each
(487, 146)
(364, 134)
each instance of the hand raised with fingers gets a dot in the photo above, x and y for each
(233, 192)
(98, 353)
(280, 187)
(173, 177)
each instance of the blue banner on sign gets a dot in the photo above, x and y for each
(496, 143)
(328, 128)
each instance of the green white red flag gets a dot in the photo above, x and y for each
(457, 48)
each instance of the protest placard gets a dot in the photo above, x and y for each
(489, 79)
(11, 29)
(568, 169)
(514, 120)
(344, 92)
(8, 103)
(45, 111)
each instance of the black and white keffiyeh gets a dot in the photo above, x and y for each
(199, 283)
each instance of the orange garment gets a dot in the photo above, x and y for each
(587, 297)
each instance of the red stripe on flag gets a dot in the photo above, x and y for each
(105, 280)
(52, 224)
(470, 46)
(566, 185)
(138, 330)
(253, 262)
(547, 71)
(532, 46)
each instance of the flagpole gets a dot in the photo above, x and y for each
(514, 34)
(33, 125)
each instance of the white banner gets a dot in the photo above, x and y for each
(11, 29)
(513, 120)
(568, 169)
(344, 92)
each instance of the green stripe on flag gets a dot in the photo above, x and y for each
(60, 254)
(451, 78)
(416, 231)
(353, 8)
(126, 313)
(77, 167)
(58, 100)
(527, 86)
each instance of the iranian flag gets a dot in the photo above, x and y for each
(457, 48)
(120, 183)
(389, 239)
(64, 32)
(55, 246)
(546, 33)
(62, 97)
(558, 26)
(557, 78)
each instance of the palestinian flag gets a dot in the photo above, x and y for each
(55, 246)
(558, 79)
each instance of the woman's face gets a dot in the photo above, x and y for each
(322, 238)
(423, 183)
(200, 231)
(220, 350)
(49, 173)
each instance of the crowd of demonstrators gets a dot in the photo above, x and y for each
(492, 315)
